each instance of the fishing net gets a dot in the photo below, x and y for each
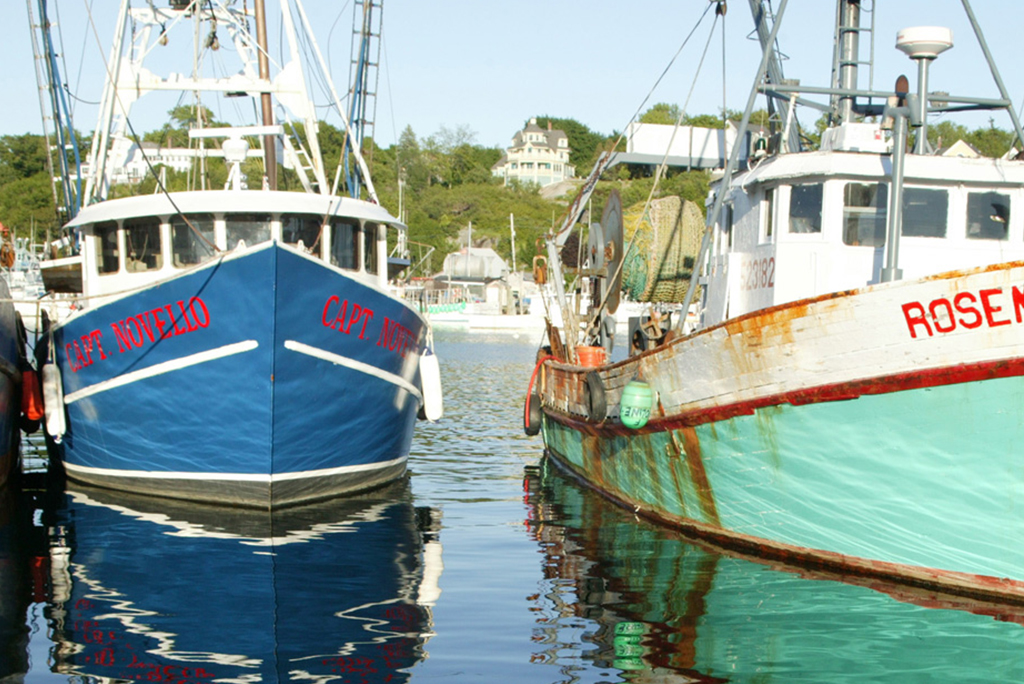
(660, 259)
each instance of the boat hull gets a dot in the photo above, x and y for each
(266, 378)
(874, 431)
(12, 353)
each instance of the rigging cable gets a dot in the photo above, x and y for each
(658, 175)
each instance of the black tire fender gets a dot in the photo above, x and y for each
(533, 414)
(594, 398)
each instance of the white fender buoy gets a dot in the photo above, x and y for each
(430, 385)
(53, 401)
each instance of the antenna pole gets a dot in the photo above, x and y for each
(269, 142)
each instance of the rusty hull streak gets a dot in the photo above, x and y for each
(695, 461)
(798, 559)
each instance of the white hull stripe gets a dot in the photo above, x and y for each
(234, 477)
(161, 368)
(354, 365)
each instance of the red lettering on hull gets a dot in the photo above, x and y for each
(989, 308)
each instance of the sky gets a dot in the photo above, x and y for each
(487, 66)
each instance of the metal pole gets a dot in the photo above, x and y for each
(269, 142)
(512, 226)
(891, 270)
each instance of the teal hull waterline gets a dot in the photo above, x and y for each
(873, 485)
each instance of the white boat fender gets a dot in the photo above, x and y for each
(53, 401)
(430, 386)
(594, 399)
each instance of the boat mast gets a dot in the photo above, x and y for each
(68, 198)
(269, 141)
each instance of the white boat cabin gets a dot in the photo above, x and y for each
(806, 224)
(132, 242)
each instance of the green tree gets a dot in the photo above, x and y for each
(991, 142)
(661, 113)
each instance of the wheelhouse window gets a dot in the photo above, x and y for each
(727, 219)
(988, 216)
(370, 233)
(302, 230)
(142, 245)
(769, 211)
(345, 244)
(107, 249)
(805, 208)
(924, 212)
(864, 213)
(192, 244)
(249, 229)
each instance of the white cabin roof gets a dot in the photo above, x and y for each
(227, 201)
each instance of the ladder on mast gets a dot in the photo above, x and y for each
(846, 61)
(366, 42)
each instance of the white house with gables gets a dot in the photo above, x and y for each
(537, 156)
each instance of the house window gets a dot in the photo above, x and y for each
(864, 213)
(924, 212)
(988, 216)
(805, 208)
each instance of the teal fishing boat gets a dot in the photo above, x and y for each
(844, 390)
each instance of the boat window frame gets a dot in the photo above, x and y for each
(794, 191)
(909, 192)
(879, 213)
(133, 265)
(372, 233)
(316, 246)
(227, 215)
(356, 247)
(1005, 220)
(769, 205)
(197, 219)
(99, 243)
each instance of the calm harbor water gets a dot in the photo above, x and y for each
(485, 566)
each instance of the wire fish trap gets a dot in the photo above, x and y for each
(662, 249)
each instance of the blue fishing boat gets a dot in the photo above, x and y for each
(339, 590)
(237, 346)
(844, 390)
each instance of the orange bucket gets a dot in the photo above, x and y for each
(590, 356)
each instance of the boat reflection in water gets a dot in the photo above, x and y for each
(147, 589)
(14, 582)
(642, 600)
